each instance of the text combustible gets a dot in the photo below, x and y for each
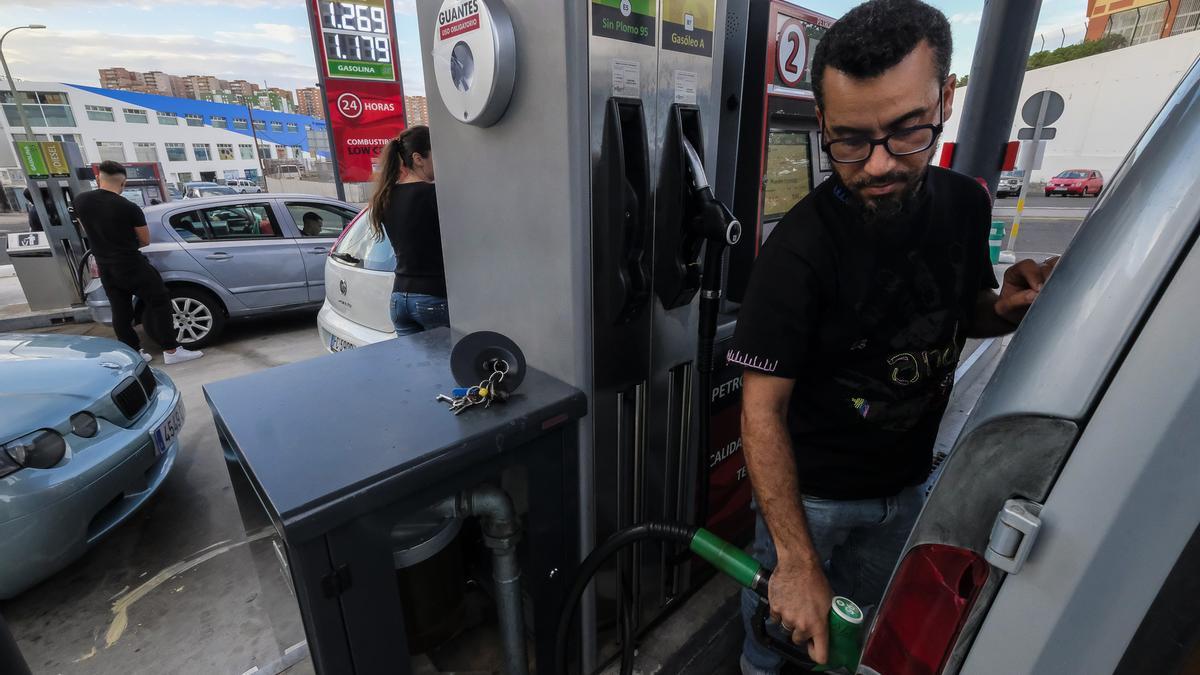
(622, 27)
(365, 146)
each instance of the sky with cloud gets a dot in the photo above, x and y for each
(268, 40)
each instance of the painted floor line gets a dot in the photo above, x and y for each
(120, 608)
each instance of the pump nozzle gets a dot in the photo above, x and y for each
(713, 221)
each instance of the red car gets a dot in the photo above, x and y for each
(1083, 182)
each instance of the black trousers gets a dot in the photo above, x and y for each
(123, 281)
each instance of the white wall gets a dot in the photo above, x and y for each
(128, 133)
(1110, 99)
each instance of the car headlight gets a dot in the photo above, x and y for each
(84, 425)
(42, 449)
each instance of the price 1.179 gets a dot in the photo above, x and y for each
(345, 47)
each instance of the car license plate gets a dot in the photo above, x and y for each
(166, 432)
(1060, 189)
(337, 344)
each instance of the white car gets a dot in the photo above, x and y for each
(244, 185)
(358, 288)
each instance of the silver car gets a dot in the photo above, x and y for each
(1063, 535)
(1011, 183)
(237, 256)
(244, 185)
(88, 433)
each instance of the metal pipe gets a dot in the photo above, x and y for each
(501, 530)
(12, 84)
(1005, 35)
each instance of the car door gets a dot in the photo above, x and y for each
(241, 245)
(318, 225)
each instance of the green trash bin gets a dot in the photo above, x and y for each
(996, 240)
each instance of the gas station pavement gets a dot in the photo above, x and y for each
(172, 590)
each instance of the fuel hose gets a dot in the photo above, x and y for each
(722, 555)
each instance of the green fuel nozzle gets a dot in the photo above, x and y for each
(845, 617)
(730, 560)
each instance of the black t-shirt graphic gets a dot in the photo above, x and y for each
(109, 220)
(869, 319)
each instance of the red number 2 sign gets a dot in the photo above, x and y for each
(791, 53)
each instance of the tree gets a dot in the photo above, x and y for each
(1072, 52)
(962, 81)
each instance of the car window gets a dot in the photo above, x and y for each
(314, 219)
(227, 222)
(1072, 174)
(360, 248)
(190, 226)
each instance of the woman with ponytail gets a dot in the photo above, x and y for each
(404, 206)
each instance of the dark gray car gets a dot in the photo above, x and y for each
(237, 256)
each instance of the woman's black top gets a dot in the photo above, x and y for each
(411, 223)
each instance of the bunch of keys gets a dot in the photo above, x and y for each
(485, 392)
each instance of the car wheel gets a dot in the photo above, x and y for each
(1085, 192)
(198, 316)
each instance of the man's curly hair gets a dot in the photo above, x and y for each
(876, 36)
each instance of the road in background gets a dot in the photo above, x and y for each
(1047, 223)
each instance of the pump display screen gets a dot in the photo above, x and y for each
(788, 177)
(357, 39)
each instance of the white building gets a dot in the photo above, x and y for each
(1110, 99)
(192, 140)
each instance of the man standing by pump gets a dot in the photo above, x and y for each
(116, 230)
(854, 319)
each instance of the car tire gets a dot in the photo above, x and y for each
(202, 315)
(1084, 193)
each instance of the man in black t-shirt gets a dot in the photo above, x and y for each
(854, 319)
(116, 231)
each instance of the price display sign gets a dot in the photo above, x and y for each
(355, 46)
(357, 38)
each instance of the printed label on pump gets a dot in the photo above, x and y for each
(627, 20)
(56, 159)
(685, 87)
(688, 26)
(626, 78)
(32, 159)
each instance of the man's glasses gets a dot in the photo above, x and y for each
(907, 141)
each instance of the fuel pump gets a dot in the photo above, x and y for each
(48, 263)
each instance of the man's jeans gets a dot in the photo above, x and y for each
(859, 541)
(416, 312)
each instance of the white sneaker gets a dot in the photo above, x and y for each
(145, 357)
(181, 355)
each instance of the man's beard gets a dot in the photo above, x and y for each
(891, 206)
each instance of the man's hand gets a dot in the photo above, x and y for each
(800, 599)
(1022, 284)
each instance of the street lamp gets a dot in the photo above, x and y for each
(12, 84)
